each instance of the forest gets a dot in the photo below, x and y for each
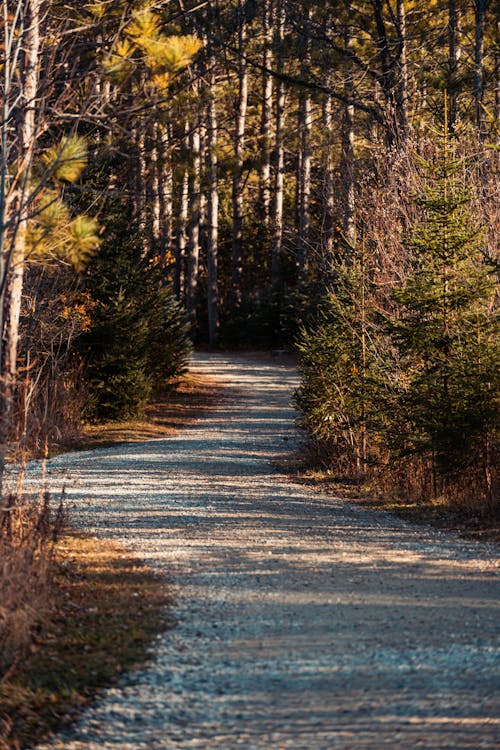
(320, 177)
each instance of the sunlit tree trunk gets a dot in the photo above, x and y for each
(213, 208)
(26, 139)
(165, 194)
(193, 249)
(279, 154)
(480, 18)
(329, 181)
(453, 57)
(402, 74)
(266, 118)
(305, 124)
(239, 145)
(347, 161)
(181, 227)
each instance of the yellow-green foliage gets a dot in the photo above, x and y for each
(54, 235)
(66, 160)
(146, 49)
(84, 240)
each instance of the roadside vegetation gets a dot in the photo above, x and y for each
(97, 618)
(64, 594)
(280, 174)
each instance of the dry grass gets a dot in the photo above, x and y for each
(468, 521)
(107, 608)
(74, 617)
(28, 530)
(179, 407)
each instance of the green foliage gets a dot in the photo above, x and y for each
(412, 377)
(146, 50)
(447, 330)
(66, 160)
(53, 233)
(138, 338)
(344, 365)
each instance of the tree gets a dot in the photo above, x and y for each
(447, 331)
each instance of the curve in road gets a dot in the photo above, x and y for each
(303, 621)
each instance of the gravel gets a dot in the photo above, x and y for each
(303, 621)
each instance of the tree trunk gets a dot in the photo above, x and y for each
(480, 16)
(329, 183)
(181, 229)
(401, 94)
(213, 209)
(239, 143)
(347, 160)
(165, 195)
(193, 254)
(279, 154)
(266, 119)
(305, 124)
(27, 139)
(140, 197)
(453, 57)
(156, 190)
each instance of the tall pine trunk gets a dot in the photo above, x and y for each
(328, 228)
(26, 139)
(193, 249)
(305, 125)
(17, 211)
(279, 154)
(347, 160)
(181, 227)
(453, 57)
(401, 93)
(266, 118)
(239, 145)
(480, 18)
(212, 208)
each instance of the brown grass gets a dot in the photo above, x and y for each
(468, 521)
(107, 608)
(178, 408)
(80, 615)
(28, 529)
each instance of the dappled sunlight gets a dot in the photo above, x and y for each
(304, 621)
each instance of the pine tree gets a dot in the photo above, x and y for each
(137, 339)
(446, 332)
(343, 365)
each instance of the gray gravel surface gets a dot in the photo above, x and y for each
(303, 621)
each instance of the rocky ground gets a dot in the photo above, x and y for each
(303, 621)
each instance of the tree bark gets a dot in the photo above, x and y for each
(239, 145)
(279, 154)
(213, 209)
(401, 94)
(165, 194)
(347, 160)
(266, 119)
(453, 57)
(329, 183)
(193, 250)
(27, 140)
(305, 124)
(480, 18)
(181, 228)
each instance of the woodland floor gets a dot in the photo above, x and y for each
(303, 620)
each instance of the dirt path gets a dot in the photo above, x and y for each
(303, 622)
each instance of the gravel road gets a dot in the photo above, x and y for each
(304, 622)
